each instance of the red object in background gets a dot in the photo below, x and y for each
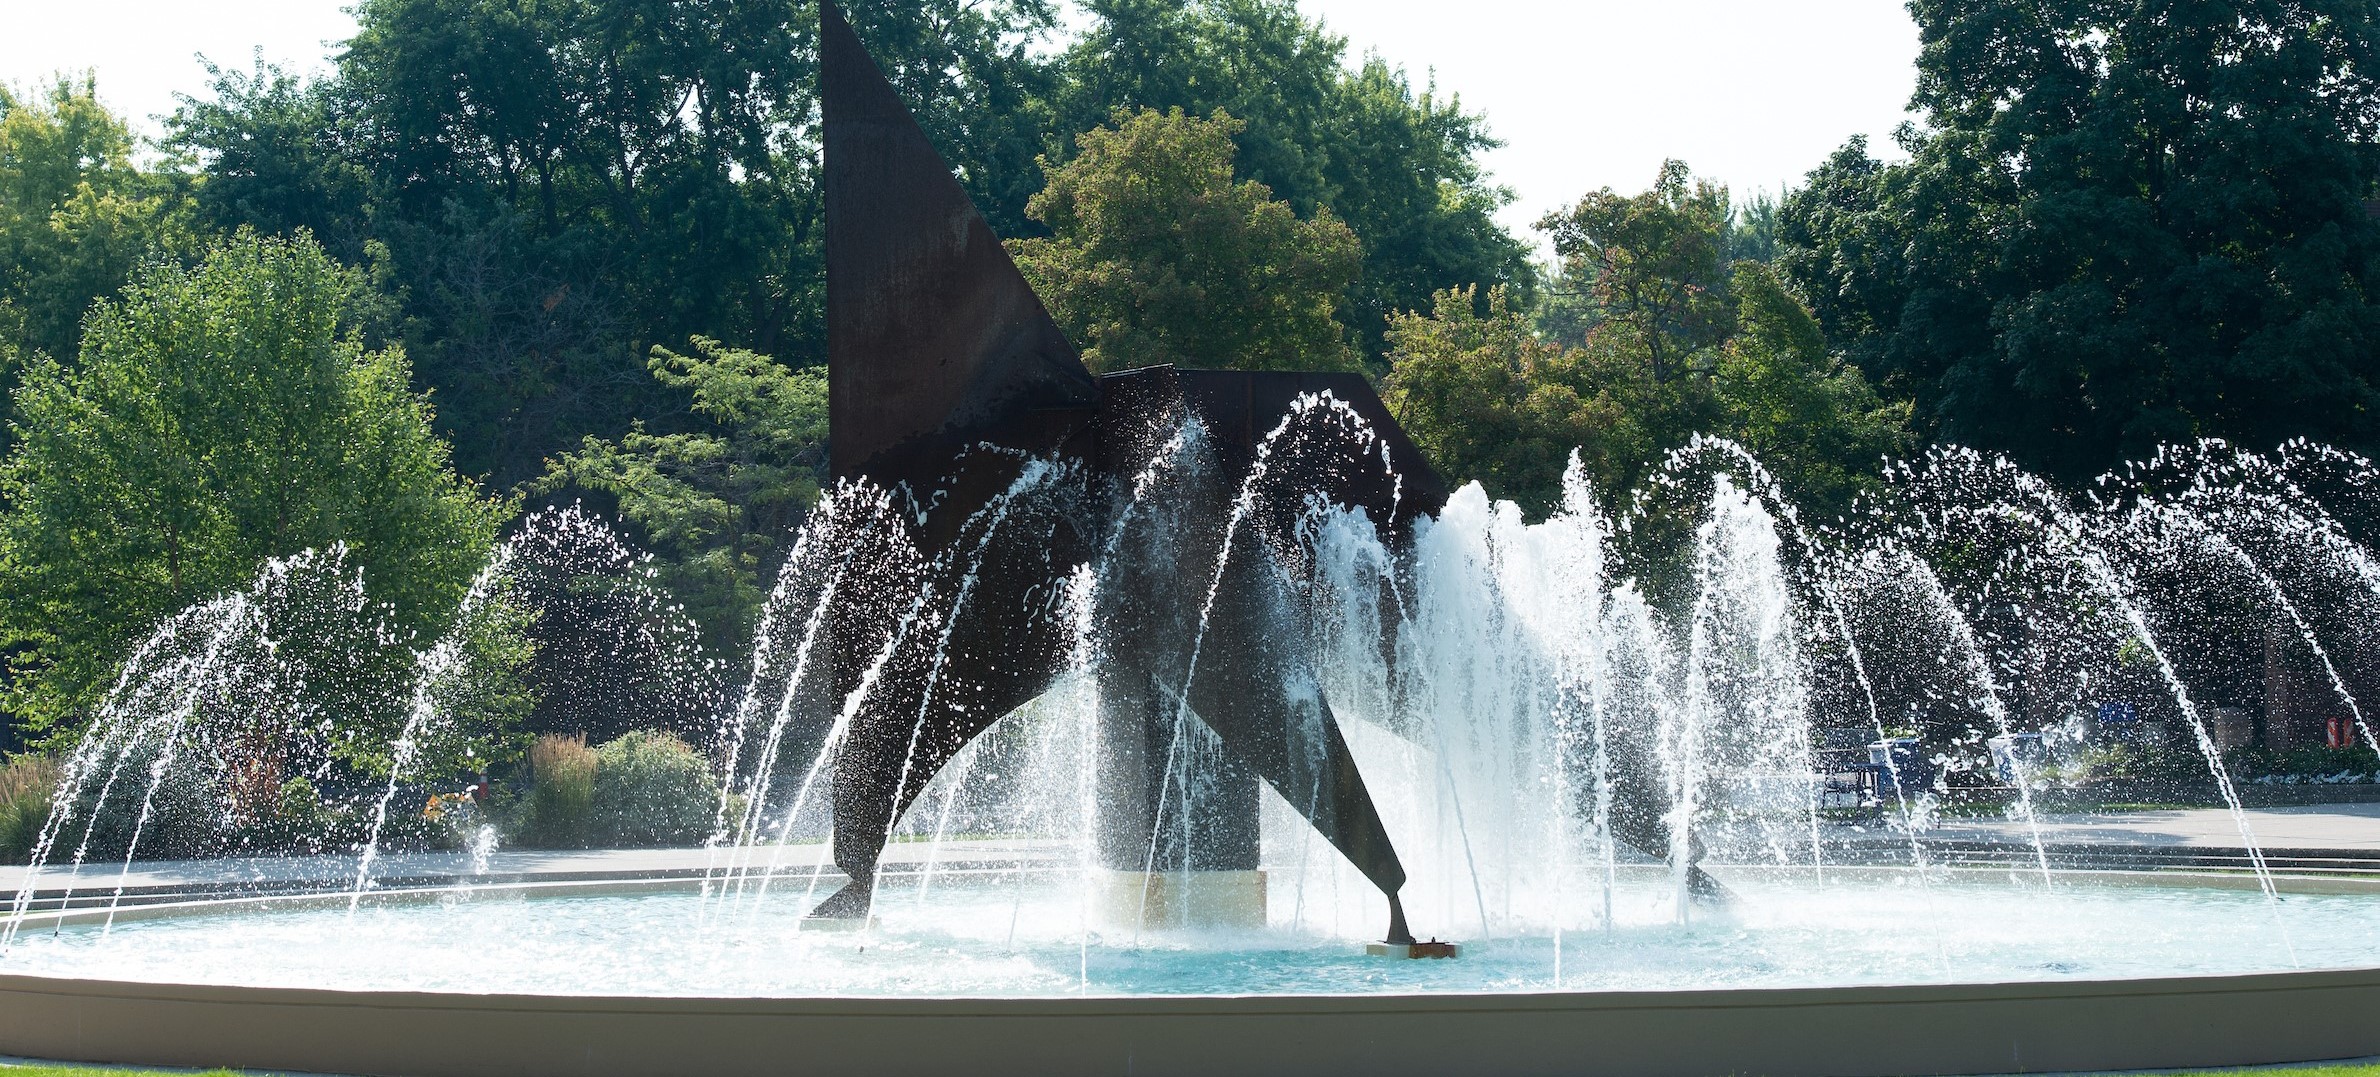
(2339, 734)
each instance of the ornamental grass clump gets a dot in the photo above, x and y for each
(27, 784)
(556, 813)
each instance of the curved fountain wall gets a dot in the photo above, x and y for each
(1845, 1032)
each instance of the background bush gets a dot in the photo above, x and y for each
(652, 789)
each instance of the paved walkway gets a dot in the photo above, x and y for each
(2345, 828)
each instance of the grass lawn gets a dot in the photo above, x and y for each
(12, 1069)
(9, 1069)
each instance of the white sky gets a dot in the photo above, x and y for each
(1585, 93)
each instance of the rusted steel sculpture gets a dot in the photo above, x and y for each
(951, 385)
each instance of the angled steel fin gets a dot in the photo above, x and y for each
(933, 336)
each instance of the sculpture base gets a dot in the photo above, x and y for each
(836, 924)
(1414, 950)
(1200, 900)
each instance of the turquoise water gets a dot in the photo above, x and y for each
(1001, 938)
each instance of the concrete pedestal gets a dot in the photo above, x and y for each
(1197, 900)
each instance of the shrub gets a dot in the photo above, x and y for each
(652, 789)
(2313, 761)
(26, 786)
(555, 815)
(170, 808)
(298, 820)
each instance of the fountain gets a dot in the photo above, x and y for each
(1128, 722)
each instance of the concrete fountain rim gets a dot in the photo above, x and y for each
(635, 883)
(1847, 1031)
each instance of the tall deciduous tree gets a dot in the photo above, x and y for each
(1811, 417)
(1485, 398)
(561, 186)
(1657, 337)
(217, 416)
(75, 216)
(1652, 265)
(279, 154)
(1157, 256)
(2123, 224)
(1398, 164)
(717, 504)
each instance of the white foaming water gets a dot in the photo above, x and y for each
(1522, 680)
(434, 668)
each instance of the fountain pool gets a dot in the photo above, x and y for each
(1870, 974)
(983, 936)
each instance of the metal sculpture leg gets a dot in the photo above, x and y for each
(1265, 703)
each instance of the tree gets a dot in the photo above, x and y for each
(1157, 256)
(1653, 265)
(278, 154)
(218, 416)
(1810, 417)
(559, 187)
(1399, 166)
(1657, 337)
(2117, 228)
(720, 504)
(1485, 398)
(75, 216)
(1752, 229)
(548, 191)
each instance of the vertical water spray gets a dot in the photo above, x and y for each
(431, 669)
(1242, 504)
(1036, 474)
(1745, 699)
(1987, 683)
(1892, 767)
(238, 617)
(2280, 600)
(815, 552)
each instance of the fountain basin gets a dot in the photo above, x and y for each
(634, 977)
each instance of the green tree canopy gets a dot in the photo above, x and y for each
(1157, 256)
(1398, 164)
(558, 187)
(1812, 418)
(279, 155)
(1485, 398)
(75, 216)
(717, 504)
(548, 191)
(218, 416)
(2120, 225)
(1650, 265)
(1658, 337)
